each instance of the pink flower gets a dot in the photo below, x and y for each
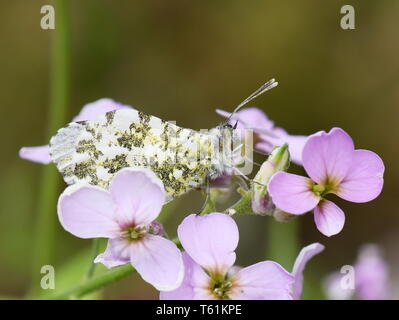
(267, 136)
(334, 166)
(209, 242)
(304, 256)
(90, 111)
(371, 278)
(372, 274)
(125, 214)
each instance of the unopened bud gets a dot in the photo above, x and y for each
(278, 160)
(156, 228)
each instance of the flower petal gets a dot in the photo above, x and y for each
(249, 118)
(39, 154)
(296, 144)
(116, 254)
(292, 193)
(210, 240)
(256, 120)
(94, 109)
(138, 194)
(327, 156)
(185, 291)
(264, 146)
(265, 280)
(372, 274)
(329, 218)
(158, 261)
(304, 256)
(364, 180)
(87, 212)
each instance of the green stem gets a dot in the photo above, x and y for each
(94, 253)
(209, 207)
(97, 282)
(93, 284)
(282, 242)
(242, 206)
(46, 220)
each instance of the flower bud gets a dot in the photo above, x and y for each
(156, 228)
(278, 160)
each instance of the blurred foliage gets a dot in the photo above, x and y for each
(180, 60)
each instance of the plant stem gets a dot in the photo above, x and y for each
(93, 284)
(208, 207)
(242, 206)
(97, 282)
(94, 253)
(46, 220)
(282, 242)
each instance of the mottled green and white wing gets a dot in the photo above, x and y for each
(93, 151)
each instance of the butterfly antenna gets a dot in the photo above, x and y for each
(240, 174)
(262, 89)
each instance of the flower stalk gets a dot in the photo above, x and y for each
(93, 284)
(46, 220)
(97, 282)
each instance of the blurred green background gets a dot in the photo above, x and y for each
(179, 60)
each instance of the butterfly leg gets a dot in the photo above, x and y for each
(208, 205)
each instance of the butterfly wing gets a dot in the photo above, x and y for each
(93, 151)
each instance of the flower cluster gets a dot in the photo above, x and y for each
(126, 211)
(334, 167)
(209, 242)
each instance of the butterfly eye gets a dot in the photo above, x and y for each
(228, 125)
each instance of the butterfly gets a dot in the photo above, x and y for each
(184, 159)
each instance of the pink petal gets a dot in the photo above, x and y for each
(265, 280)
(364, 180)
(116, 254)
(210, 240)
(139, 196)
(304, 256)
(264, 146)
(38, 154)
(196, 284)
(185, 291)
(249, 118)
(94, 109)
(295, 146)
(87, 212)
(327, 156)
(158, 261)
(292, 193)
(201, 283)
(329, 218)
(255, 119)
(372, 274)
